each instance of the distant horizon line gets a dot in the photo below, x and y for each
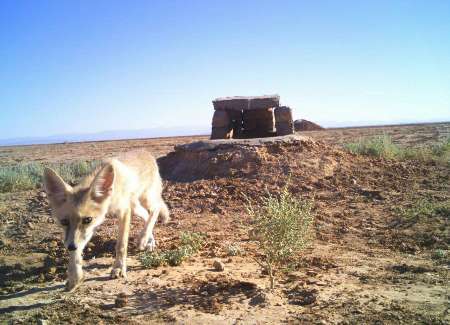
(196, 131)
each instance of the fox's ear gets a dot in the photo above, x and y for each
(55, 186)
(102, 185)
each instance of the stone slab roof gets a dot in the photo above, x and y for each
(242, 103)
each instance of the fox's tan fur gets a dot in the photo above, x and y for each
(123, 186)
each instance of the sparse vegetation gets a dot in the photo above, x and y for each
(380, 146)
(383, 146)
(439, 254)
(282, 229)
(424, 208)
(28, 176)
(190, 243)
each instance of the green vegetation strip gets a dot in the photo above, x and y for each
(383, 146)
(29, 176)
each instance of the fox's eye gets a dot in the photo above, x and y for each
(87, 220)
(64, 222)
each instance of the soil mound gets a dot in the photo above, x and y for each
(217, 176)
(240, 158)
(305, 125)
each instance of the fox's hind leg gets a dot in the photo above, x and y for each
(139, 210)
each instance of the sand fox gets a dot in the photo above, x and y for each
(123, 186)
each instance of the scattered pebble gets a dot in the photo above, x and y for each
(218, 266)
(121, 300)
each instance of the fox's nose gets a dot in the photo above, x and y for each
(72, 247)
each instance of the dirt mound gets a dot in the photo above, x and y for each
(230, 158)
(305, 125)
(216, 176)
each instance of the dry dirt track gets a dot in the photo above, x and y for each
(366, 265)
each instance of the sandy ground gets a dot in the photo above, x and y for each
(366, 265)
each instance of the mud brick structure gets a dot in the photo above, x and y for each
(250, 117)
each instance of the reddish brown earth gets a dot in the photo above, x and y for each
(367, 264)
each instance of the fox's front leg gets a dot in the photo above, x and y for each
(75, 270)
(120, 264)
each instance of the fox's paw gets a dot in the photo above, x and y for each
(73, 284)
(149, 245)
(118, 272)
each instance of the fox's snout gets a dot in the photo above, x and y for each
(72, 247)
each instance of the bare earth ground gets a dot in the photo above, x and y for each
(366, 265)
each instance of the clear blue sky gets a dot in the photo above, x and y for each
(88, 66)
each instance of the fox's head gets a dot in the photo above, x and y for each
(80, 209)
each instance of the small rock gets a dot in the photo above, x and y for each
(42, 322)
(42, 195)
(121, 300)
(52, 270)
(218, 266)
(215, 305)
(260, 298)
(311, 281)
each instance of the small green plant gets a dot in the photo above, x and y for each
(282, 228)
(234, 250)
(190, 244)
(191, 241)
(439, 254)
(24, 177)
(175, 257)
(151, 259)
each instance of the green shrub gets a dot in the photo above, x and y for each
(190, 244)
(379, 146)
(282, 228)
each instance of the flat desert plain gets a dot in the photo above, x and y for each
(380, 253)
